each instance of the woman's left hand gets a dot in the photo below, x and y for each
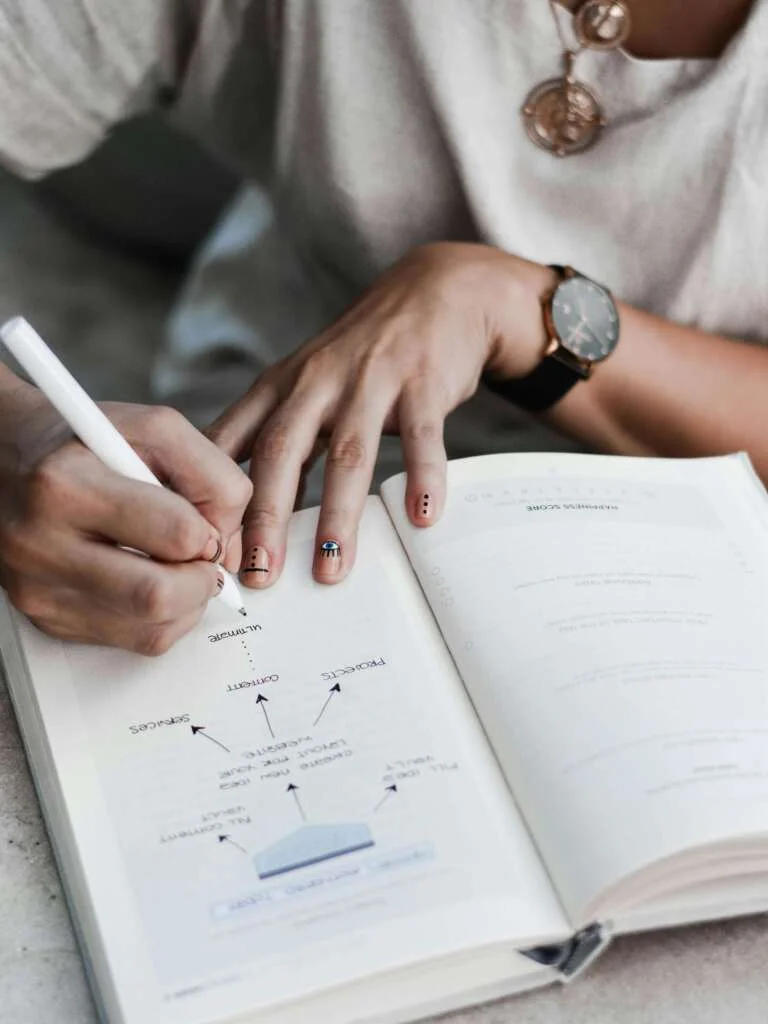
(409, 351)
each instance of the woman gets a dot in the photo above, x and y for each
(427, 155)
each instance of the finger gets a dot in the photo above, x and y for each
(301, 490)
(192, 466)
(234, 552)
(421, 423)
(318, 450)
(282, 447)
(72, 486)
(150, 640)
(110, 580)
(234, 431)
(152, 520)
(348, 470)
(73, 620)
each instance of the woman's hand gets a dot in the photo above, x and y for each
(63, 515)
(402, 358)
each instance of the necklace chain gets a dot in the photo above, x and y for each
(556, 18)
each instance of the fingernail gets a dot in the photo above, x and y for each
(213, 549)
(257, 562)
(423, 506)
(329, 557)
(220, 580)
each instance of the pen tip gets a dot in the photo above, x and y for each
(243, 611)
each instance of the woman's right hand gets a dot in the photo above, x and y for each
(65, 520)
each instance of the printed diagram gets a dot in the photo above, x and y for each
(308, 843)
(312, 844)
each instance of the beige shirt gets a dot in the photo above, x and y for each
(380, 124)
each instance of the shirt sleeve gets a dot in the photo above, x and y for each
(71, 69)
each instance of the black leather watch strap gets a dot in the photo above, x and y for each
(544, 386)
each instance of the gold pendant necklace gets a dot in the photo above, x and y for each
(562, 115)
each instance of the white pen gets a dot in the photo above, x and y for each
(87, 420)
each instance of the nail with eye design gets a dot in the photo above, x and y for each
(257, 563)
(330, 556)
(424, 506)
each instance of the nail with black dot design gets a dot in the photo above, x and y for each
(258, 562)
(424, 506)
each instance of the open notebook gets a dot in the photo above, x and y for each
(538, 723)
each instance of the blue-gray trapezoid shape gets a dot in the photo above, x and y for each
(311, 845)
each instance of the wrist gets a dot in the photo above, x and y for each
(503, 295)
(582, 326)
(519, 333)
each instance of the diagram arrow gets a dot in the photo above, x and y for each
(388, 792)
(199, 730)
(294, 789)
(331, 694)
(226, 839)
(262, 700)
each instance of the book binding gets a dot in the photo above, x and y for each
(572, 957)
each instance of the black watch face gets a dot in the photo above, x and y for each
(585, 318)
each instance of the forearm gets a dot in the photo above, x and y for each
(672, 391)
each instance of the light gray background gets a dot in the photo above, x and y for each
(104, 313)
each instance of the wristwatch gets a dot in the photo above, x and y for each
(582, 325)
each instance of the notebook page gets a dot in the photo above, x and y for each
(608, 618)
(289, 802)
